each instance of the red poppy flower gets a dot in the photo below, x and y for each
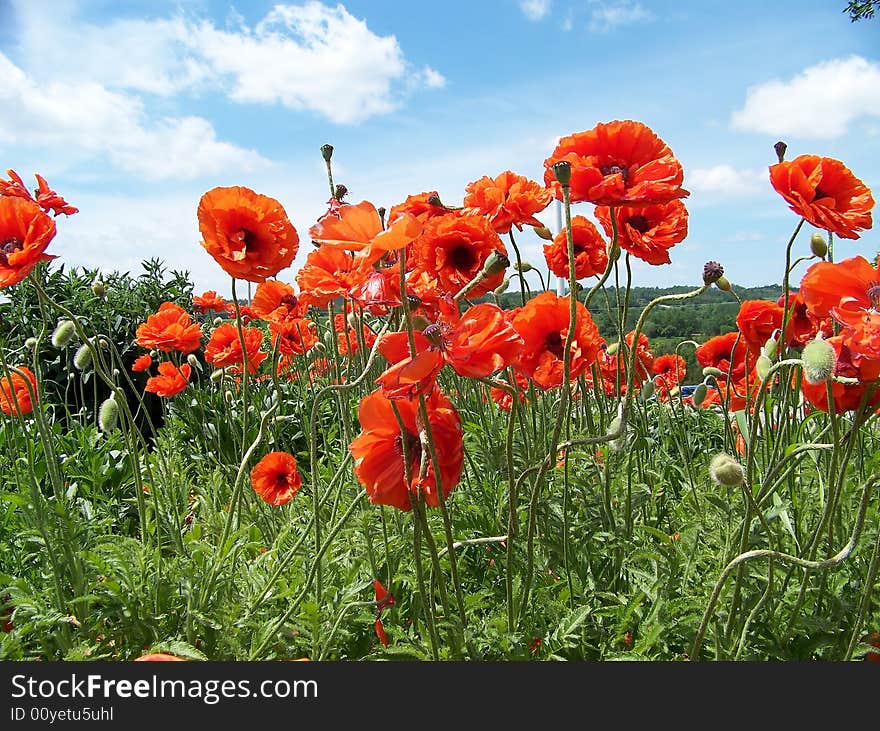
(142, 363)
(379, 290)
(847, 397)
(409, 376)
(209, 301)
(718, 352)
(507, 200)
(224, 347)
(378, 450)
(275, 300)
(275, 478)
(543, 324)
(357, 227)
(46, 198)
(647, 232)
(25, 232)
(384, 598)
(617, 163)
(670, 368)
(872, 639)
(452, 251)
(170, 381)
(802, 326)
(330, 272)
(825, 193)
(611, 363)
(293, 335)
(590, 251)
(248, 234)
(171, 328)
(15, 398)
(757, 321)
(380, 632)
(422, 205)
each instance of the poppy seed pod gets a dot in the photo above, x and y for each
(818, 245)
(562, 171)
(99, 289)
(780, 148)
(543, 232)
(699, 395)
(63, 333)
(818, 358)
(496, 263)
(82, 359)
(712, 272)
(725, 470)
(108, 415)
(326, 152)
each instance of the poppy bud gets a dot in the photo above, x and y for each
(613, 348)
(63, 333)
(82, 359)
(108, 415)
(326, 152)
(762, 366)
(218, 321)
(562, 171)
(434, 200)
(352, 321)
(713, 371)
(780, 148)
(675, 391)
(30, 343)
(381, 211)
(319, 347)
(523, 266)
(543, 232)
(620, 442)
(502, 288)
(614, 252)
(227, 395)
(770, 346)
(725, 470)
(340, 192)
(818, 358)
(712, 272)
(98, 288)
(818, 245)
(192, 360)
(699, 395)
(217, 375)
(722, 284)
(496, 263)
(647, 390)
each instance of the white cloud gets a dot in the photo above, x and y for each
(535, 9)
(311, 57)
(97, 122)
(606, 15)
(725, 179)
(820, 102)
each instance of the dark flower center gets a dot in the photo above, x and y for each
(10, 246)
(874, 295)
(554, 343)
(413, 450)
(615, 169)
(434, 333)
(288, 299)
(248, 238)
(820, 194)
(462, 258)
(281, 480)
(639, 223)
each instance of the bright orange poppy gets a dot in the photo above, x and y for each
(670, 369)
(25, 232)
(171, 328)
(611, 363)
(142, 363)
(543, 324)
(757, 321)
(275, 478)
(422, 205)
(379, 290)
(46, 198)
(452, 251)
(718, 352)
(379, 449)
(617, 163)
(802, 326)
(507, 200)
(647, 232)
(224, 347)
(15, 398)
(209, 301)
(171, 379)
(847, 397)
(590, 250)
(357, 227)
(274, 300)
(826, 193)
(248, 234)
(293, 335)
(330, 272)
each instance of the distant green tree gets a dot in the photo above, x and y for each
(861, 9)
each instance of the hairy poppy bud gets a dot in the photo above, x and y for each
(502, 288)
(818, 358)
(543, 232)
(82, 359)
(722, 284)
(725, 470)
(381, 211)
(712, 272)
(108, 415)
(30, 343)
(780, 148)
(496, 263)
(326, 152)
(63, 333)
(614, 252)
(763, 366)
(352, 321)
(98, 288)
(699, 395)
(818, 245)
(192, 360)
(770, 347)
(647, 390)
(340, 192)
(319, 347)
(675, 391)
(227, 395)
(523, 266)
(218, 321)
(217, 375)
(618, 443)
(713, 371)
(613, 348)
(562, 171)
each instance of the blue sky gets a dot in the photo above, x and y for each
(132, 110)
